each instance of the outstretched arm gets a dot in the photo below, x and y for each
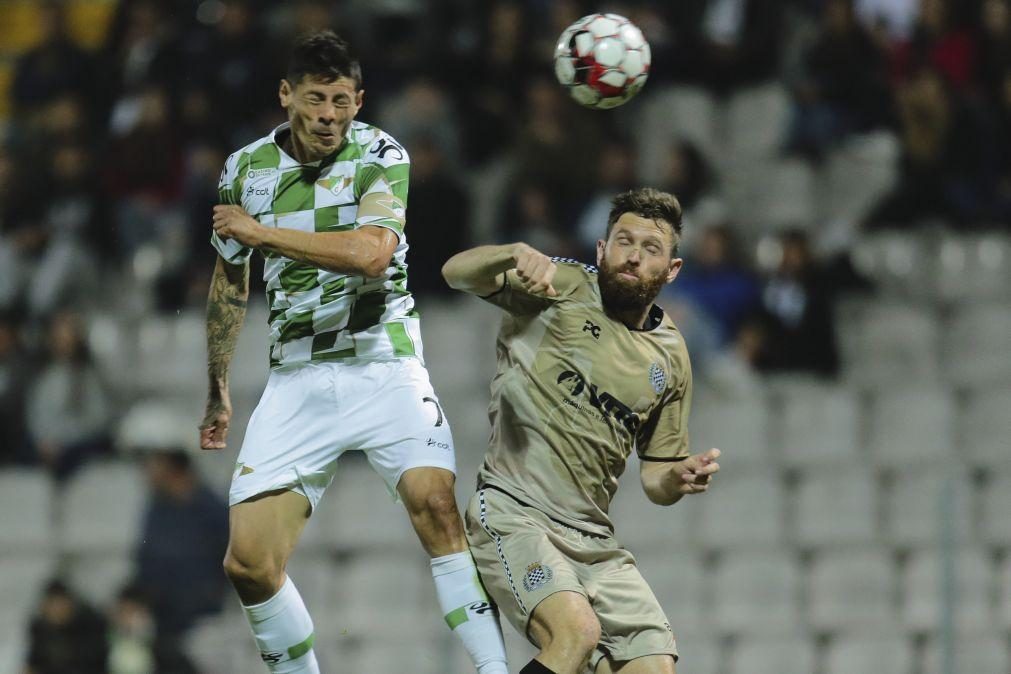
(480, 270)
(226, 309)
(665, 482)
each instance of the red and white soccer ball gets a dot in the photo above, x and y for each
(602, 60)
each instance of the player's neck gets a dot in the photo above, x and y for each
(634, 319)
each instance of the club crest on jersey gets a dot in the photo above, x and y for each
(334, 185)
(537, 575)
(657, 377)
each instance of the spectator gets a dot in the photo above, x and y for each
(438, 213)
(689, 177)
(799, 305)
(66, 636)
(131, 634)
(717, 283)
(843, 86)
(68, 408)
(182, 543)
(941, 44)
(994, 47)
(13, 382)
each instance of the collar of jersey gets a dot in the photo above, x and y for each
(287, 158)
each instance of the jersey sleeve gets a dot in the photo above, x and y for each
(381, 183)
(231, 251)
(512, 297)
(665, 435)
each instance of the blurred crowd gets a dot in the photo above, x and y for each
(110, 157)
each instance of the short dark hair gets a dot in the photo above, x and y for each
(649, 203)
(325, 56)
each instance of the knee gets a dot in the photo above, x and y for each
(439, 505)
(577, 636)
(247, 573)
(584, 634)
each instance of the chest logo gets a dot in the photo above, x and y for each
(658, 378)
(334, 185)
(592, 329)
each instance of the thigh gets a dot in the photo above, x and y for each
(402, 424)
(292, 441)
(650, 664)
(519, 564)
(265, 529)
(633, 624)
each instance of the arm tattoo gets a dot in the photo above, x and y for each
(226, 309)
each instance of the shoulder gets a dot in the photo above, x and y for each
(673, 343)
(572, 275)
(261, 151)
(378, 147)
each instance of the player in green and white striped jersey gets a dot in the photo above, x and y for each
(323, 199)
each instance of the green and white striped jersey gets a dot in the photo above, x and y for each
(318, 315)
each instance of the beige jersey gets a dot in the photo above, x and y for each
(576, 391)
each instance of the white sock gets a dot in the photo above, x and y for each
(283, 632)
(469, 612)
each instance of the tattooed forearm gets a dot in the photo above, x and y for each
(226, 309)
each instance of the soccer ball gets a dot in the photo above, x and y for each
(602, 60)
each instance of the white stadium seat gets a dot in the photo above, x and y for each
(26, 523)
(773, 655)
(699, 652)
(858, 174)
(985, 427)
(99, 577)
(886, 345)
(877, 653)
(977, 343)
(927, 503)
(102, 509)
(984, 652)
(739, 426)
(852, 590)
(757, 593)
(836, 506)
(912, 426)
(820, 424)
(974, 267)
(644, 527)
(678, 579)
(925, 603)
(746, 510)
(995, 525)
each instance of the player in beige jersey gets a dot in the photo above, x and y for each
(589, 369)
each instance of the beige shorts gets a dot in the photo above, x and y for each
(524, 557)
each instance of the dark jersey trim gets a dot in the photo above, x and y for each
(568, 260)
(505, 282)
(659, 459)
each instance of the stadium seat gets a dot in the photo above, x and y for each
(885, 344)
(357, 512)
(99, 577)
(924, 580)
(1004, 595)
(985, 427)
(102, 509)
(983, 652)
(820, 424)
(739, 426)
(926, 503)
(316, 573)
(899, 263)
(757, 593)
(22, 580)
(995, 525)
(251, 362)
(773, 655)
(518, 650)
(223, 643)
(678, 579)
(836, 506)
(644, 527)
(26, 524)
(878, 653)
(974, 267)
(912, 426)
(172, 355)
(857, 175)
(783, 194)
(700, 652)
(13, 649)
(977, 343)
(388, 652)
(757, 120)
(686, 113)
(746, 510)
(375, 589)
(852, 590)
(459, 360)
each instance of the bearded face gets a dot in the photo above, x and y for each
(628, 287)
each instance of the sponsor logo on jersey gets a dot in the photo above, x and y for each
(432, 442)
(259, 173)
(537, 575)
(657, 377)
(592, 329)
(607, 404)
(252, 191)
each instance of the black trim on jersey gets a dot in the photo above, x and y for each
(523, 503)
(505, 282)
(653, 319)
(568, 260)
(658, 459)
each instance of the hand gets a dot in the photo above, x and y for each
(232, 222)
(535, 270)
(214, 429)
(697, 472)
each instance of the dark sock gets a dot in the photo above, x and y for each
(534, 667)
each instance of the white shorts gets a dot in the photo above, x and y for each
(310, 414)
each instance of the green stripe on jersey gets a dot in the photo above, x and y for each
(300, 649)
(294, 193)
(402, 344)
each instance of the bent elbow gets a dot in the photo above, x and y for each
(376, 267)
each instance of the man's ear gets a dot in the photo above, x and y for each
(674, 268)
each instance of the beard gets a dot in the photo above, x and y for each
(621, 295)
